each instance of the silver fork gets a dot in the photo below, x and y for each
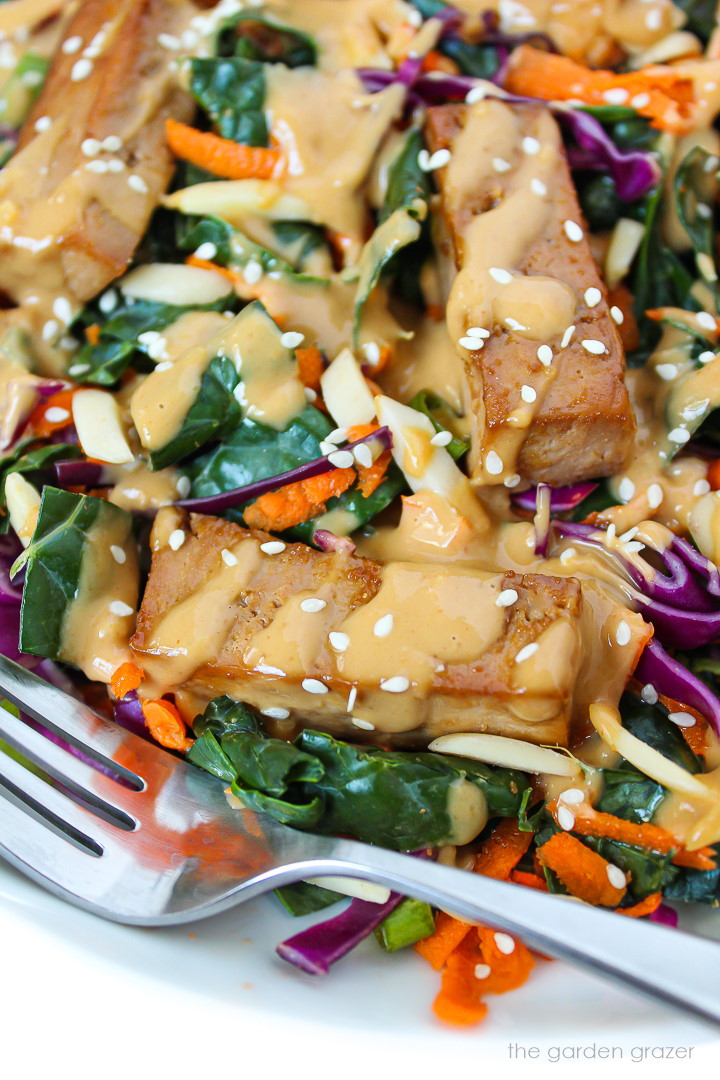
(137, 836)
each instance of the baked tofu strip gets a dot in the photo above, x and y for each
(548, 402)
(397, 653)
(92, 161)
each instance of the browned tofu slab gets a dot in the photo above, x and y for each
(515, 177)
(73, 212)
(398, 654)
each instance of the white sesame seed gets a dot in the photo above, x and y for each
(703, 211)
(97, 166)
(81, 69)
(477, 93)
(43, 123)
(667, 372)
(593, 297)
(503, 277)
(78, 369)
(573, 796)
(137, 183)
(593, 346)
(493, 463)
(682, 719)
(327, 447)
(526, 652)
(352, 698)
(506, 598)
(537, 187)
(706, 356)
(530, 145)
(573, 231)
(438, 160)
(118, 607)
(252, 272)
(56, 415)
(314, 686)
(567, 337)
(617, 315)
(706, 320)
(528, 393)
(565, 818)
(206, 251)
(337, 435)
(364, 725)
(616, 95)
(49, 330)
(441, 438)
(310, 394)
(62, 310)
(423, 159)
(341, 459)
(276, 713)
(701, 487)
(623, 633)
(505, 943)
(338, 640)
(500, 165)
(477, 332)
(471, 343)
(273, 547)
(90, 147)
(568, 555)
(512, 481)
(72, 45)
(615, 876)
(312, 605)
(363, 455)
(649, 694)
(176, 539)
(482, 971)
(183, 486)
(118, 554)
(513, 324)
(653, 19)
(655, 496)
(397, 684)
(545, 355)
(679, 435)
(291, 340)
(372, 352)
(108, 301)
(228, 558)
(164, 365)
(384, 626)
(626, 489)
(115, 165)
(112, 143)
(169, 41)
(640, 101)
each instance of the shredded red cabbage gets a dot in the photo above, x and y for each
(671, 679)
(562, 499)
(665, 915)
(328, 541)
(78, 472)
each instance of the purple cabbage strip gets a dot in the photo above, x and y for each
(128, 713)
(671, 679)
(314, 950)
(562, 499)
(76, 472)
(225, 500)
(665, 915)
(328, 541)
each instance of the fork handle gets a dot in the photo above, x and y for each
(668, 965)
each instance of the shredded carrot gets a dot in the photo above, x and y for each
(696, 735)
(370, 477)
(126, 678)
(713, 474)
(310, 366)
(438, 948)
(436, 61)
(38, 421)
(702, 859)
(459, 1001)
(508, 970)
(92, 333)
(297, 502)
(205, 264)
(532, 881)
(621, 298)
(662, 94)
(503, 849)
(221, 157)
(644, 907)
(582, 871)
(166, 725)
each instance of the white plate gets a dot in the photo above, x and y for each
(196, 1002)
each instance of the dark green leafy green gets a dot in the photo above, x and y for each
(695, 886)
(213, 415)
(442, 416)
(410, 922)
(231, 90)
(600, 202)
(701, 16)
(257, 35)
(34, 463)
(407, 183)
(303, 898)
(360, 510)
(650, 724)
(480, 61)
(695, 190)
(301, 248)
(21, 89)
(647, 871)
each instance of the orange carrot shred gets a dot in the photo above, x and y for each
(696, 735)
(310, 366)
(166, 725)
(92, 333)
(459, 1001)
(370, 477)
(437, 61)
(663, 95)
(126, 678)
(582, 871)
(621, 298)
(532, 881)
(644, 907)
(437, 948)
(508, 970)
(295, 503)
(503, 849)
(205, 264)
(591, 822)
(221, 157)
(38, 421)
(702, 859)
(713, 474)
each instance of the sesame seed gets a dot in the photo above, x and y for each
(573, 796)
(482, 971)
(49, 330)
(352, 698)
(314, 686)
(115, 165)
(108, 301)
(513, 324)
(423, 159)
(682, 719)
(593, 297)
(500, 165)
(441, 438)
(118, 607)
(493, 463)
(530, 145)
(384, 626)
(273, 547)
(640, 101)
(545, 355)
(537, 186)
(363, 455)
(653, 19)
(81, 69)
(679, 435)
(96, 166)
(702, 487)
(568, 555)
(118, 554)
(655, 496)
(176, 539)
(477, 332)
(703, 211)
(573, 231)
(78, 369)
(526, 652)
(112, 143)
(169, 41)
(137, 183)
(649, 694)
(623, 633)
(706, 320)
(626, 489)
(228, 558)
(593, 346)
(337, 436)
(327, 447)
(477, 93)
(528, 394)
(341, 459)
(506, 598)
(312, 605)
(567, 336)
(706, 357)
(615, 876)
(206, 251)
(512, 481)
(62, 310)
(276, 713)
(617, 315)
(565, 818)
(310, 394)
(666, 372)
(505, 943)
(372, 352)
(397, 684)
(471, 343)
(339, 641)
(90, 147)
(56, 415)
(503, 277)
(616, 95)
(164, 365)
(183, 486)
(72, 45)
(252, 272)
(364, 725)
(291, 340)
(43, 123)
(438, 160)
